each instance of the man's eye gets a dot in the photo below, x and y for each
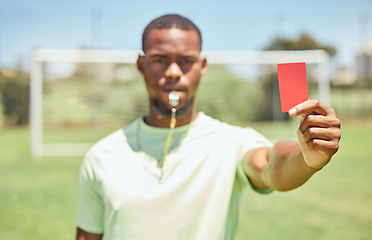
(186, 61)
(159, 60)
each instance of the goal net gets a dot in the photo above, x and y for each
(78, 96)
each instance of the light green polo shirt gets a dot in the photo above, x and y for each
(195, 195)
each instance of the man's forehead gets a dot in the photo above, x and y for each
(172, 39)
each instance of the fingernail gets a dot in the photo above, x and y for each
(292, 111)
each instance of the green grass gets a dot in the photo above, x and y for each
(334, 204)
(38, 200)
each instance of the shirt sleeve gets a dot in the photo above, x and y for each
(250, 139)
(244, 180)
(91, 208)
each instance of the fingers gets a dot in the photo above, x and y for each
(311, 106)
(317, 137)
(326, 148)
(322, 139)
(319, 128)
(318, 133)
(319, 121)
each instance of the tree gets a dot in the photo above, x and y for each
(14, 95)
(303, 42)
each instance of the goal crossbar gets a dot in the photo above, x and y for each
(41, 56)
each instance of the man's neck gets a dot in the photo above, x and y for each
(158, 120)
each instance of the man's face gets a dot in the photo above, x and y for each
(172, 63)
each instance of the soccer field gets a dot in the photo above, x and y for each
(38, 200)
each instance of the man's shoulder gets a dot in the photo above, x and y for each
(109, 140)
(207, 120)
(233, 132)
(222, 126)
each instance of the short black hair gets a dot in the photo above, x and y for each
(170, 21)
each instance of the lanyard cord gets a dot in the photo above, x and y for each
(173, 101)
(169, 137)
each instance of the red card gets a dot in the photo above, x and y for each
(292, 84)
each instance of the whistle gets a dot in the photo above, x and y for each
(173, 98)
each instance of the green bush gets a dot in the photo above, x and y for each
(227, 97)
(14, 93)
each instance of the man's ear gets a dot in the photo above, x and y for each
(140, 62)
(204, 67)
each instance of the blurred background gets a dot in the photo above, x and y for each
(81, 101)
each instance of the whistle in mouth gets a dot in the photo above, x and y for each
(173, 98)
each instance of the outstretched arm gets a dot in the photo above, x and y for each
(289, 164)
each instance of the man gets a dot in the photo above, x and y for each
(132, 187)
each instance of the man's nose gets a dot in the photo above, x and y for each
(173, 71)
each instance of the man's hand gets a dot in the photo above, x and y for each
(318, 133)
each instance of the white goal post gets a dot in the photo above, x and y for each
(41, 56)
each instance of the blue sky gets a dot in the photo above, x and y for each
(225, 25)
